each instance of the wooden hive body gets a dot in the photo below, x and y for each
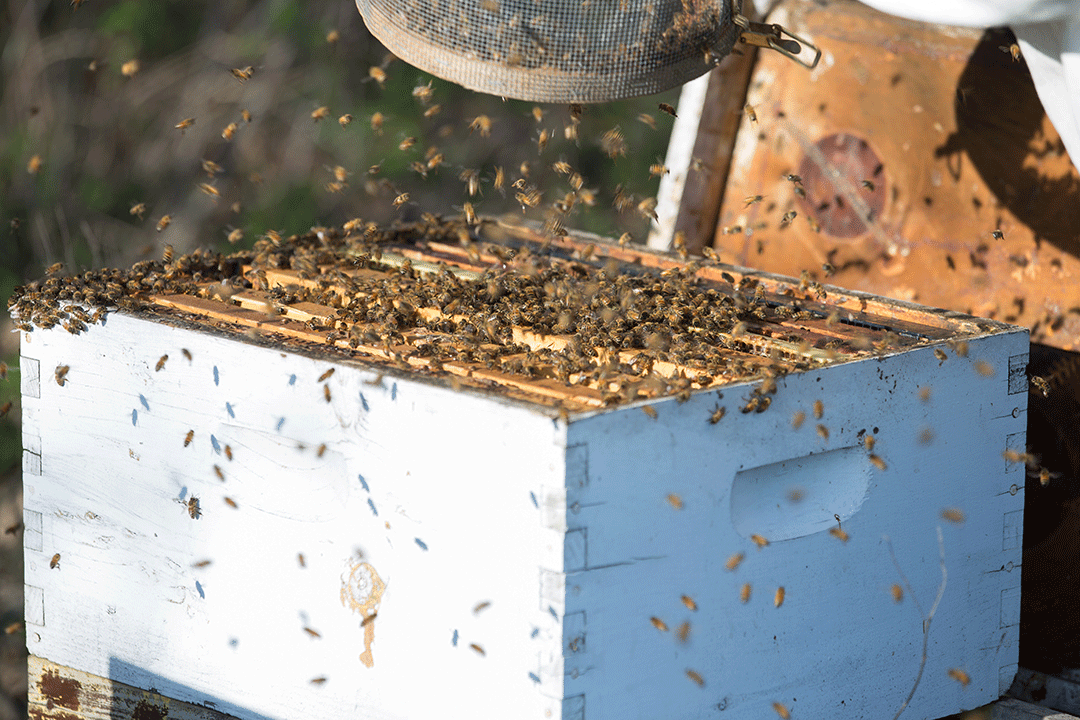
(480, 553)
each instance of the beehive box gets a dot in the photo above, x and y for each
(421, 474)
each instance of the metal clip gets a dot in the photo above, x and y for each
(777, 38)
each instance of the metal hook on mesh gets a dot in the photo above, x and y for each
(775, 37)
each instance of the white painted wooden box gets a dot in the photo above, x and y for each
(376, 544)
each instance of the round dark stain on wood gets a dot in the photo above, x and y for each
(844, 182)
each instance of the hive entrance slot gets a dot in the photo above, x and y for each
(800, 496)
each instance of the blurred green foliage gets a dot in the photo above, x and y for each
(107, 141)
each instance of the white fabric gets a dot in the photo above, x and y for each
(1048, 32)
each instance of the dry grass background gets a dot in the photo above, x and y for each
(104, 141)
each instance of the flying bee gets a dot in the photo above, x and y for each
(320, 113)
(164, 222)
(1044, 476)
(231, 503)
(647, 208)
(481, 123)
(220, 474)
(326, 375)
(998, 235)
(500, 179)
(228, 453)
(235, 236)
(823, 431)
(189, 437)
(778, 598)
(878, 462)
(194, 511)
(793, 178)
(161, 363)
(406, 143)
(346, 119)
(424, 93)
(868, 442)
(734, 561)
(984, 368)
(401, 199)
(658, 624)
(479, 650)
(819, 409)
(689, 603)
(959, 676)
(787, 218)
(1013, 50)
(230, 131)
(797, 419)
(542, 140)
(668, 109)
(318, 680)
(433, 111)
(744, 593)
(674, 500)
(470, 213)
(868, 185)
(897, 593)
(840, 534)
(953, 515)
(682, 633)
(61, 374)
(326, 392)
(613, 143)
(184, 124)
(696, 677)
(658, 169)
(960, 348)
(130, 69)
(5, 408)
(751, 199)
(377, 74)
(55, 562)
(781, 709)
(759, 541)
(312, 632)
(481, 606)
(246, 115)
(138, 210)
(750, 112)
(1041, 385)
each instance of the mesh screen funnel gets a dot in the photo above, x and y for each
(566, 51)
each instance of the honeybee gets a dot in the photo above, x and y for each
(798, 419)
(542, 140)
(840, 534)
(201, 564)
(230, 131)
(668, 109)
(470, 214)
(787, 218)
(5, 408)
(1013, 50)
(750, 112)
(674, 500)
(689, 603)
(346, 119)
(819, 409)
(696, 677)
(759, 541)
(744, 593)
(1044, 476)
(481, 123)
(778, 598)
(164, 223)
(235, 236)
(55, 562)
(184, 124)
(401, 199)
(479, 650)
(3, 371)
(682, 633)
(868, 442)
(823, 431)
(377, 74)
(318, 680)
(194, 511)
(1041, 385)
(243, 74)
(320, 113)
(878, 462)
(326, 375)
(189, 437)
(15, 626)
(228, 453)
(984, 368)
(406, 143)
(130, 69)
(647, 208)
(897, 593)
(312, 632)
(658, 169)
(433, 111)
(481, 606)
(960, 348)
(959, 676)
(716, 416)
(34, 165)
(246, 115)
(138, 210)
(61, 374)
(751, 199)
(321, 450)
(161, 363)
(613, 143)
(500, 179)
(998, 235)
(231, 503)
(220, 474)
(953, 515)
(300, 559)
(781, 709)
(326, 392)
(424, 93)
